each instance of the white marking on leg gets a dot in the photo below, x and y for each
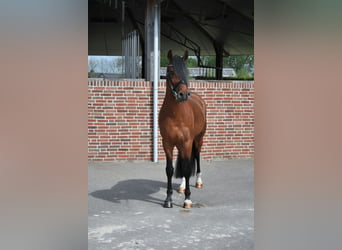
(187, 201)
(199, 179)
(182, 185)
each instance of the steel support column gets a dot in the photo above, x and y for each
(152, 61)
(219, 60)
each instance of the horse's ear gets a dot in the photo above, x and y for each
(186, 55)
(169, 56)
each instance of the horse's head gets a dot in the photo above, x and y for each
(176, 76)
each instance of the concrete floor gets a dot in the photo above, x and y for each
(125, 207)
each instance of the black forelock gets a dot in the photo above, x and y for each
(180, 68)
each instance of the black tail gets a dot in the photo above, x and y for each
(186, 166)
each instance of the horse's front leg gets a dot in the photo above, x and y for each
(168, 148)
(169, 174)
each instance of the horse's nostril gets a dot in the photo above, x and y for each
(181, 94)
(188, 94)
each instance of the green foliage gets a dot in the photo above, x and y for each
(243, 73)
(191, 62)
(164, 61)
(239, 62)
(208, 61)
(247, 78)
(243, 65)
(91, 74)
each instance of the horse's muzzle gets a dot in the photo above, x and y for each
(182, 96)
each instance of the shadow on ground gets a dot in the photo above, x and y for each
(135, 189)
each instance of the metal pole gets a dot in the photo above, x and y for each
(134, 54)
(131, 53)
(123, 69)
(155, 81)
(126, 56)
(129, 56)
(138, 57)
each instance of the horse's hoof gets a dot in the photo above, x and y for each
(199, 185)
(187, 204)
(181, 190)
(168, 204)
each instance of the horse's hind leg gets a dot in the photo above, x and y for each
(196, 151)
(187, 201)
(169, 173)
(196, 154)
(186, 168)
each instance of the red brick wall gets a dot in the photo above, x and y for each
(120, 119)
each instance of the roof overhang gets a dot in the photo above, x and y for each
(184, 24)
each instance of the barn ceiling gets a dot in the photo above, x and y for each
(185, 24)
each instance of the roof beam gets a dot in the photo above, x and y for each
(237, 12)
(195, 23)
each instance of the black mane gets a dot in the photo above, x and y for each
(180, 68)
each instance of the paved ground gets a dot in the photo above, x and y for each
(125, 207)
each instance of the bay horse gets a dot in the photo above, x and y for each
(182, 123)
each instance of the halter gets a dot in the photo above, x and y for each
(174, 87)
